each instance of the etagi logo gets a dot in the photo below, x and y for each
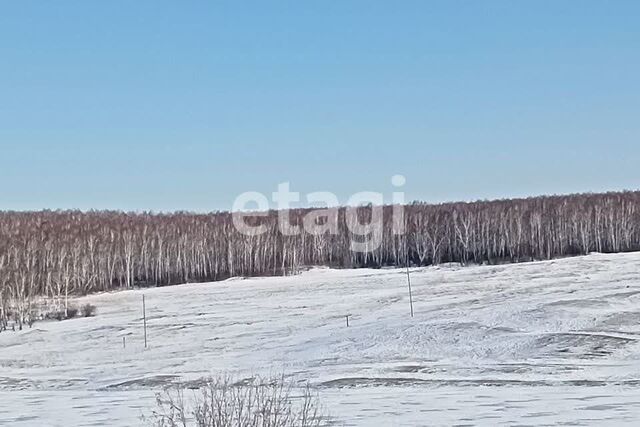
(366, 230)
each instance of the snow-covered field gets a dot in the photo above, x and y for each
(529, 344)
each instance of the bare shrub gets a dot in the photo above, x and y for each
(88, 310)
(31, 319)
(61, 314)
(223, 402)
(54, 315)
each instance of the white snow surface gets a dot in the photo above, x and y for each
(542, 343)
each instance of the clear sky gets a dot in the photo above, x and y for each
(182, 105)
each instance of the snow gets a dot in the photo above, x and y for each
(532, 344)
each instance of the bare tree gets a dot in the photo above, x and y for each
(63, 253)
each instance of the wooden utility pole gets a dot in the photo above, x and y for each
(409, 282)
(144, 319)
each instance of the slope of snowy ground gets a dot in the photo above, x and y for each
(530, 344)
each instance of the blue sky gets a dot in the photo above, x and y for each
(182, 105)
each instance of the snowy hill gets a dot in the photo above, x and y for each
(536, 343)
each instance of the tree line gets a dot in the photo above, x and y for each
(60, 253)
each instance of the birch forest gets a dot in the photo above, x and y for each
(54, 254)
